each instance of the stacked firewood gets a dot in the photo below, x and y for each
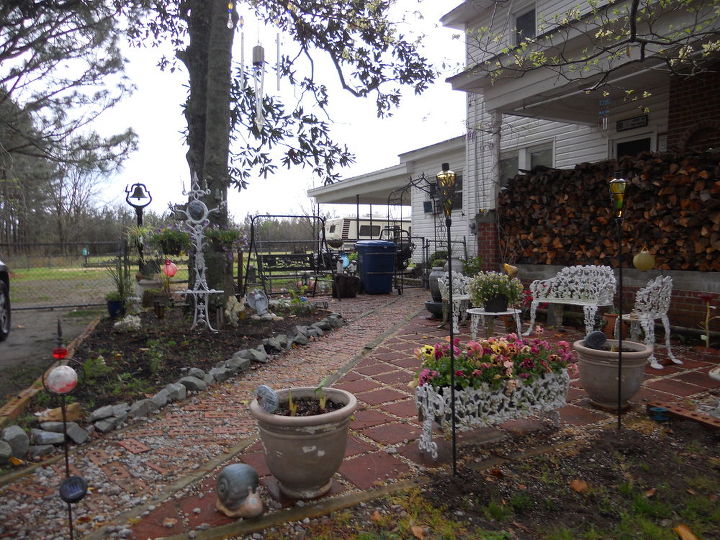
(672, 207)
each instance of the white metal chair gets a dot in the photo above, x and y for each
(461, 297)
(651, 302)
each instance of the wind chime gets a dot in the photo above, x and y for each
(258, 66)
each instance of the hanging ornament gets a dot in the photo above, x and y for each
(259, 67)
(230, 24)
(61, 380)
(170, 268)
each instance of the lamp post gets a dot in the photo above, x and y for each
(446, 186)
(617, 198)
(142, 198)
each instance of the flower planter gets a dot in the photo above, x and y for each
(599, 372)
(496, 304)
(480, 407)
(303, 452)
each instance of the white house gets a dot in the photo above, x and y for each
(622, 100)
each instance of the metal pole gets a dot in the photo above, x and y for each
(141, 259)
(448, 221)
(620, 327)
(67, 460)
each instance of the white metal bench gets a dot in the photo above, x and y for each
(587, 286)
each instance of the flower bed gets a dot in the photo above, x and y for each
(496, 380)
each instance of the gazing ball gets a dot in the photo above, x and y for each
(595, 340)
(61, 380)
(644, 261)
(170, 268)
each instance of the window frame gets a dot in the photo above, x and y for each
(523, 154)
(521, 11)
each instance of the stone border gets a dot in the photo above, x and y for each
(15, 442)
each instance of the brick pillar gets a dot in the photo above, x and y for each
(487, 244)
(694, 113)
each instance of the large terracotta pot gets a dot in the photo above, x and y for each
(599, 372)
(303, 452)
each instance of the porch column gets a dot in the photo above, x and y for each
(486, 220)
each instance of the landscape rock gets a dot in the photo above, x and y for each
(142, 408)
(55, 427)
(18, 440)
(323, 325)
(176, 391)
(209, 379)
(107, 424)
(283, 340)
(314, 331)
(221, 374)
(273, 345)
(335, 320)
(196, 372)
(38, 450)
(299, 329)
(77, 434)
(238, 363)
(300, 339)
(102, 412)
(161, 398)
(42, 437)
(259, 355)
(120, 409)
(5, 451)
(193, 383)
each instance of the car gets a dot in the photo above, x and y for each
(4, 301)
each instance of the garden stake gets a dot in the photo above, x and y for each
(617, 194)
(446, 185)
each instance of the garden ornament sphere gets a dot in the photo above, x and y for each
(644, 260)
(73, 489)
(170, 268)
(61, 380)
(237, 496)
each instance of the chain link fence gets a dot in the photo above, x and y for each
(60, 275)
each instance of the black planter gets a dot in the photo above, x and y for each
(115, 308)
(496, 304)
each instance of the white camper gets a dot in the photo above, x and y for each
(342, 233)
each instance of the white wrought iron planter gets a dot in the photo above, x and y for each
(481, 407)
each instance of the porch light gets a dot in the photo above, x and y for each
(617, 194)
(446, 184)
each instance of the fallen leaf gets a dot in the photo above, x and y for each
(522, 487)
(418, 531)
(684, 532)
(691, 491)
(376, 517)
(169, 522)
(579, 486)
(15, 461)
(497, 472)
(650, 492)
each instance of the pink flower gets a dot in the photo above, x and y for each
(563, 344)
(459, 373)
(539, 329)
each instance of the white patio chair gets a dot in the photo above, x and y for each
(461, 298)
(651, 302)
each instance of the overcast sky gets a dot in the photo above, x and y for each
(154, 112)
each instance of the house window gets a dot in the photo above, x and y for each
(435, 195)
(524, 25)
(332, 229)
(458, 199)
(525, 159)
(633, 146)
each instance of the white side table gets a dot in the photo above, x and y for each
(478, 314)
(460, 301)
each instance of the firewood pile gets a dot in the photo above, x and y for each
(563, 217)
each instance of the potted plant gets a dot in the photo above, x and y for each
(496, 380)
(304, 436)
(170, 240)
(495, 291)
(117, 299)
(598, 363)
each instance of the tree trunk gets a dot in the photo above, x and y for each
(208, 59)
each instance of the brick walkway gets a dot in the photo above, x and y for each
(157, 477)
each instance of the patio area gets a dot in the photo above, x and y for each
(156, 478)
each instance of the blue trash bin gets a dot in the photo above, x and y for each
(377, 265)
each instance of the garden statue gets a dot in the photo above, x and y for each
(258, 301)
(234, 310)
(237, 495)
